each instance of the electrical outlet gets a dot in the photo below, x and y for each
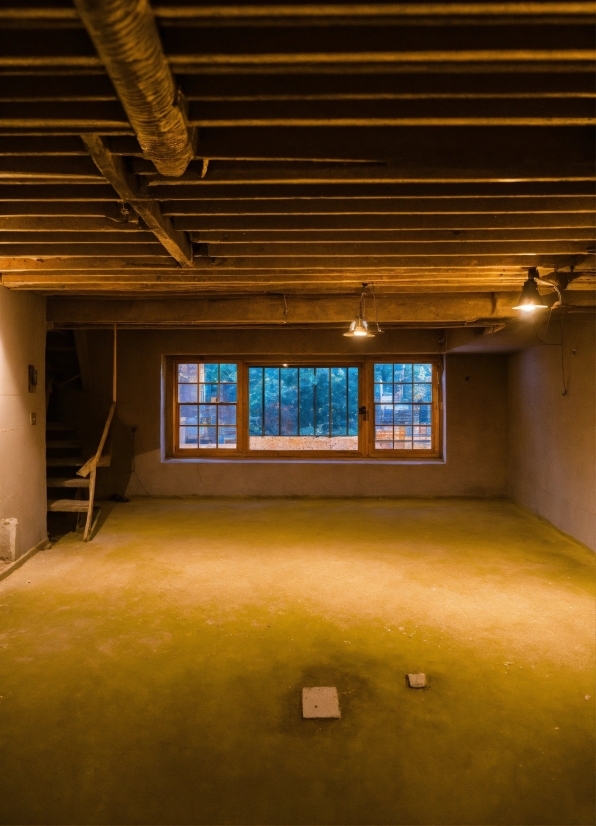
(33, 418)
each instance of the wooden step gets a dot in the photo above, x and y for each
(62, 482)
(64, 461)
(68, 505)
(64, 443)
(74, 461)
(59, 426)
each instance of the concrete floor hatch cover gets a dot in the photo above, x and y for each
(320, 702)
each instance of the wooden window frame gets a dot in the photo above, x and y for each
(366, 431)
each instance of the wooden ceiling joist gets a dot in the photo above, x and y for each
(125, 184)
(425, 147)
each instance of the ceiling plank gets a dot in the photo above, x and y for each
(184, 202)
(112, 167)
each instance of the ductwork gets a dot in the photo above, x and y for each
(125, 35)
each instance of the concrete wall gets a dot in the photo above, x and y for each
(22, 445)
(476, 422)
(553, 436)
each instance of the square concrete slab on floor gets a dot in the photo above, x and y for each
(320, 702)
(155, 675)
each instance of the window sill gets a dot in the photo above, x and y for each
(369, 460)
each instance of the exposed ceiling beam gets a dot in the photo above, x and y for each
(112, 167)
(126, 38)
(270, 309)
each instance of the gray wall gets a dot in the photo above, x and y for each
(22, 445)
(476, 422)
(552, 465)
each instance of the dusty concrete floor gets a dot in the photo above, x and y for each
(154, 676)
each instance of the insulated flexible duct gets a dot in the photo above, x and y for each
(125, 35)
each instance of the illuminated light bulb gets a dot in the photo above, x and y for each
(530, 299)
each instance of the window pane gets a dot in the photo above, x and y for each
(423, 372)
(226, 437)
(229, 373)
(303, 408)
(422, 392)
(188, 414)
(208, 372)
(207, 437)
(187, 373)
(188, 437)
(208, 414)
(396, 387)
(215, 413)
(289, 401)
(187, 392)
(402, 372)
(208, 392)
(255, 401)
(226, 414)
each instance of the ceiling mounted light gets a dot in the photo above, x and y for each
(530, 299)
(359, 327)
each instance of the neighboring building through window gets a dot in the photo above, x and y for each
(207, 399)
(368, 408)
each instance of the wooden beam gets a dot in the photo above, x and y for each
(80, 224)
(48, 168)
(414, 236)
(187, 282)
(189, 11)
(268, 309)
(378, 189)
(82, 249)
(371, 262)
(114, 170)
(455, 221)
(28, 190)
(185, 202)
(391, 249)
(72, 116)
(434, 113)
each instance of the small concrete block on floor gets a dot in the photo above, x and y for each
(320, 702)
(416, 680)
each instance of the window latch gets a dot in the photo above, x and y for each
(363, 412)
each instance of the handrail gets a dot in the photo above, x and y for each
(91, 463)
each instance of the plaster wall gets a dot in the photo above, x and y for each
(22, 445)
(552, 465)
(475, 404)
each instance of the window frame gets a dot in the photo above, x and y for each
(366, 427)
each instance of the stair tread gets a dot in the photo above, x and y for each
(59, 426)
(67, 482)
(68, 505)
(70, 443)
(64, 461)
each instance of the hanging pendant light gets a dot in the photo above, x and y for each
(530, 299)
(359, 327)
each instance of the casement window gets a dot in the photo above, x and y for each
(337, 408)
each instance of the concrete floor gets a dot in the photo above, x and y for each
(154, 676)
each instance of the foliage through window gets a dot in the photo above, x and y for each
(366, 407)
(303, 408)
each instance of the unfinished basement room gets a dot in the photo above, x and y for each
(297, 413)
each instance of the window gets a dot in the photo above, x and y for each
(385, 409)
(206, 406)
(303, 408)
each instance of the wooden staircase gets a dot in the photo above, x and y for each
(68, 491)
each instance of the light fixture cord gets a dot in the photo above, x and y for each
(375, 306)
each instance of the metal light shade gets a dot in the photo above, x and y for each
(530, 299)
(359, 328)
